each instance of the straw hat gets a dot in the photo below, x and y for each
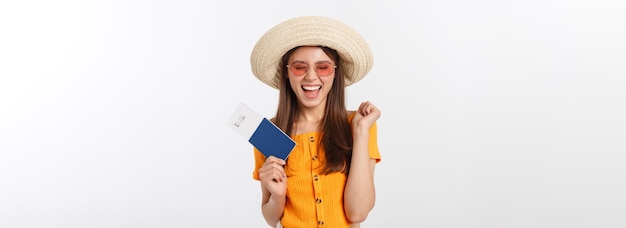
(354, 52)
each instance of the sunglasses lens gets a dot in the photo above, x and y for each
(321, 69)
(324, 69)
(298, 69)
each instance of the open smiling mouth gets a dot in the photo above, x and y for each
(311, 88)
(311, 91)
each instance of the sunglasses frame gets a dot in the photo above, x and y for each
(334, 67)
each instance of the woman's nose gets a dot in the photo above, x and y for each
(310, 74)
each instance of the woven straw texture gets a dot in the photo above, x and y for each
(355, 53)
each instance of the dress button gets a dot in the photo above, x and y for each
(320, 222)
(315, 177)
(314, 157)
(318, 200)
(311, 139)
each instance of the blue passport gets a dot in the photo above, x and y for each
(261, 133)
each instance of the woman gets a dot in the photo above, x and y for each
(328, 179)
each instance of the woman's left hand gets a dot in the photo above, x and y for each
(366, 115)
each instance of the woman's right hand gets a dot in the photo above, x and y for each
(273, 176)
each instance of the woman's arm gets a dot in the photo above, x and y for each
(360, 195)
(274, 190)
(272, 207)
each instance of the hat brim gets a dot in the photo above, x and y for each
(354, 51)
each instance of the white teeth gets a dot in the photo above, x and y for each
(311, 87)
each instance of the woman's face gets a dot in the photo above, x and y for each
(311, 74)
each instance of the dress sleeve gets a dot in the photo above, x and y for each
(259, 159)
(373, 143)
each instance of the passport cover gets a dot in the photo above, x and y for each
(261, 133)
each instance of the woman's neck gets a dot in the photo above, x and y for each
(315, 114)
(309, 120)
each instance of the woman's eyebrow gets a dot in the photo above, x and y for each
(324, 61)
(321, 61)
(298, 61)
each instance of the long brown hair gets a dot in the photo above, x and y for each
(336, 131)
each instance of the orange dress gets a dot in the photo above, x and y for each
(313, 199)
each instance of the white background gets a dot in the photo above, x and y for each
(495, 113)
